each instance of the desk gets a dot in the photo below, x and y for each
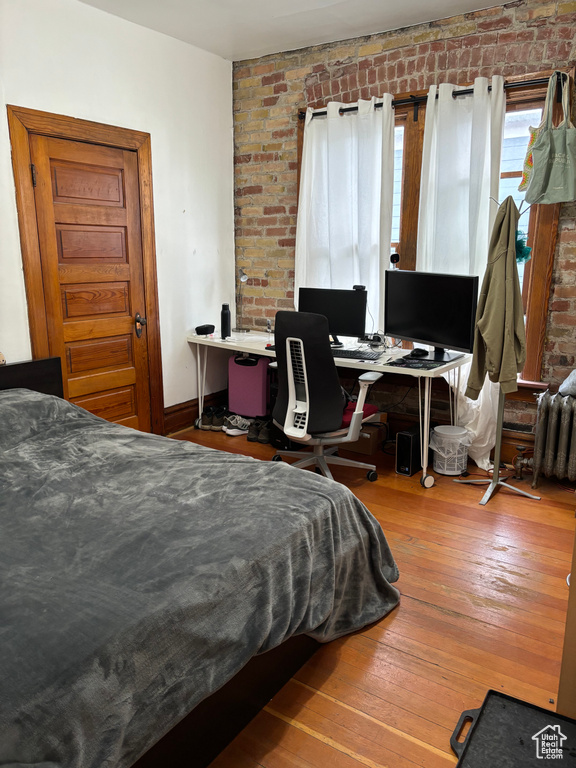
(255, 343)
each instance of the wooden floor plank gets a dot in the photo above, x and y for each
(529, 575)
(478, 634)
(430, 518)
(492, 611)
(496, 653)
(417, 675)
(483, 603)
(406, 698)
(492, 588)
(365, 702)
(445, 650)
(312, 741)
(475, 666)
(510, 551)
(510, 505)
(536, 598)
(369, 743)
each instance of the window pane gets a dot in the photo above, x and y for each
(514, 148)
(516, 138)
(397, 198)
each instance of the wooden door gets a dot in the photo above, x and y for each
(89, 232)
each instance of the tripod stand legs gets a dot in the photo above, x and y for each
(495, 482)
(494, 487)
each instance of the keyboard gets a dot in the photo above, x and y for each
(347, 354)
(356, 354)
(415, 364)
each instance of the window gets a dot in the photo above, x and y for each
(524, 103)
(523, 109)
(514, 146)
(397, 199)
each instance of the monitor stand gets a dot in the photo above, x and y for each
(335, 341)
(438, 355)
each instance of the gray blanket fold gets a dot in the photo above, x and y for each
(138, 574)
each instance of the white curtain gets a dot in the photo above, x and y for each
(345, 205)
(460, 175)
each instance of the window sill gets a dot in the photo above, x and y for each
(527, 390)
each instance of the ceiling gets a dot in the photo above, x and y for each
(244, 29)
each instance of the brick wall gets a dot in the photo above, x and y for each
(514, 39)
(560, 344)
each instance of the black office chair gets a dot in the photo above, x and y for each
(309, 407)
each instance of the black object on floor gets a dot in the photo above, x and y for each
(509, 733)
(278, 440)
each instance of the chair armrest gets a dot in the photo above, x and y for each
(365, 380)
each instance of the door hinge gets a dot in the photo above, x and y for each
(33, 172)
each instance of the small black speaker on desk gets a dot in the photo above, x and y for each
(408, 451)
(204, 330)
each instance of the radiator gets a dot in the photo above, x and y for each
(555, 438)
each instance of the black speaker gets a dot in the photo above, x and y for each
(279, 440)
(204, 330)
(408, 451)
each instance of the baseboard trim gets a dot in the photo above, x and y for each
(183, 415)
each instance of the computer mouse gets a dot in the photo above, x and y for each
(419, 352)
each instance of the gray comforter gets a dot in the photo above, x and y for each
(138, 574)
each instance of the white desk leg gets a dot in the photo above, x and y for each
(427, 481)
(457, 397)
(201, 351)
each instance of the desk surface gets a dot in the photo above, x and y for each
(255, 342)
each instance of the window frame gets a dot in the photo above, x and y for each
(543, 223)
(543, 233)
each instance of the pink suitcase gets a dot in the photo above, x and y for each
(248, 388)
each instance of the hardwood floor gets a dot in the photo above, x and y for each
(483, 606)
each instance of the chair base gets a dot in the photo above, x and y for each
(321, 458)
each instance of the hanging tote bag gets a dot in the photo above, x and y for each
(553, 177)
(534, 133)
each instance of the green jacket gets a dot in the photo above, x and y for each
(500, 338)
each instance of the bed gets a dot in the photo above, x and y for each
(140, 575)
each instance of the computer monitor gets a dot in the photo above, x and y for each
(345, 310)
(428, 308)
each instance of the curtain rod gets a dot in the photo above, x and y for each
(416, 100)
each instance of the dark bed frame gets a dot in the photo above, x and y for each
(210, 726)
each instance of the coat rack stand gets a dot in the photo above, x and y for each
(495, 482)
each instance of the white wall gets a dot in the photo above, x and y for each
(65, 57)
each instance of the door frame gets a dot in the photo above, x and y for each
(22, 122)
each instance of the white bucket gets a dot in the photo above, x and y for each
(450, 446)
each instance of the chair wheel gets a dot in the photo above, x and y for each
(372, 476)
(276, 457)
(427, 481)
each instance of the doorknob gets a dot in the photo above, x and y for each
(138, 323)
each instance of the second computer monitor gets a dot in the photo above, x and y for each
(345, 310)
(434, 309)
